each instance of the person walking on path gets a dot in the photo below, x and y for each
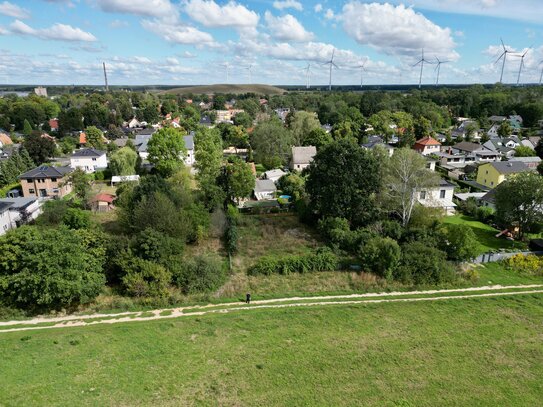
(248, 298)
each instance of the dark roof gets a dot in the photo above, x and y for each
(205, 120)
(468, 146)
(4, 206)
(149, 131)
(445, 183)
(45, 171)
(189, 141)
(509, 167)
(490, 196)
(19, 203)
(88, 152)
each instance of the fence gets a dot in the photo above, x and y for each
(488, 257)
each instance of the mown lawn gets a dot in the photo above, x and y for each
(486, 235)
(484, 352)
(496, 273)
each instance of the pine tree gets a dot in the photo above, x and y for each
(27, 128)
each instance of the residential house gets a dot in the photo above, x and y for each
(464, 196)
(140, 142)
(264, 189)
(120, 142)
(5, 217)
(464, 128)
(451, 161)
(40, 91)
(496, 145)
(378, 142)
(302, 157)
(427, 145)
(475, 152)
(189, 145)
(117, 179)
(206, 121)
(5, 140)
(89, 160)
(53, 124)
(531, 162)
(528, 143)
(493, 174)
(22, 210)
(282, 113)
(489, 199)
(438, 197)
(102, 202)
(133, 123)
(227, 116)
(274, 175)
(45, 181)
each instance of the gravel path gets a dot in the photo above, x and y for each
(367, 298)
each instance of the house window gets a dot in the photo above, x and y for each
(492, 184)
(94, 159)
(442, 194)
(31, 191)
(422, 194)
(53, 180)
(486, 172)
(29, 181)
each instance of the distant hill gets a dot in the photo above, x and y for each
(208, 89)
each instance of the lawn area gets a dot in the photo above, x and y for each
(486, 235)
(496, 273)
(484, 352)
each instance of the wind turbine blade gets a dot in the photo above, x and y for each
(417, 63)
(503, 45)
(500, 57)
(333, 52)
(337, 67)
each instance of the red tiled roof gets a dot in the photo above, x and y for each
(5, 139)
(82, 138)
(104, 198)
(53, 123)
(428, 141)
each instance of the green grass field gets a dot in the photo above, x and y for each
(484, 352)
(486, 235)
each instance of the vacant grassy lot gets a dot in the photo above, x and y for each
(484, 352)
(486, 235)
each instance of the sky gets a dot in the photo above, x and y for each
(280, 42)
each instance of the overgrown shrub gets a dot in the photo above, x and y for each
(321, 260)
(143, 278)
(76, 218)
(459, 242)
(157, 247)
(339, 234)
(380, 255)
(199, 274)
(421, 264)
(484, 214)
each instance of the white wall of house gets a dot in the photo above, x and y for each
(439, 197)
(89, 164)
(189, 159)
(5, 221)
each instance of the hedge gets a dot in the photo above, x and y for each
(321, 260)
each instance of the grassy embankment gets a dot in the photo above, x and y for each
(484, 352)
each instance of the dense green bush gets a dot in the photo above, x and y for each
(338, 233)
(42, 269)
(52, 212)
(154, 246)
(76, 218)
(143, 278)
(380, 255)
(423, 265)
(484, 214)
(459, 242)
(321, 260)
(199, 274)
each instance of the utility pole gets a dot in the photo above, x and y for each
(105, 76)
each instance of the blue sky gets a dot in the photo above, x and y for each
(198, 41)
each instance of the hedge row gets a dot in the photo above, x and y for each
(321, 260)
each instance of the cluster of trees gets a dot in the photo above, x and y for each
(18, 163)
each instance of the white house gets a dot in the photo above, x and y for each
(438, 197)
(189, 145)
(21, 210)
(133, 123)
(88, 159)
(274, 175)
(5, 217)
(264, 189)
(302, 157)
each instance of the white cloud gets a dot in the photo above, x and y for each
(287, 28)
(210, 14)
(172, 61)
(58, 32)
(329, 14)
(282, 5)
(396, 30)
(13, 10)
(177, 32)
(187, 54)
(151, 8)
(118, 24)
(3, 31)
(317, 8)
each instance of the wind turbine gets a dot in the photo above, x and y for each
(504, 56)
(421, 62)
(332, 64)
(307, 70)
(521, 63)
(541, 76)
(227, 67)
(438, 68)
(250, 69)
(362, 70)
